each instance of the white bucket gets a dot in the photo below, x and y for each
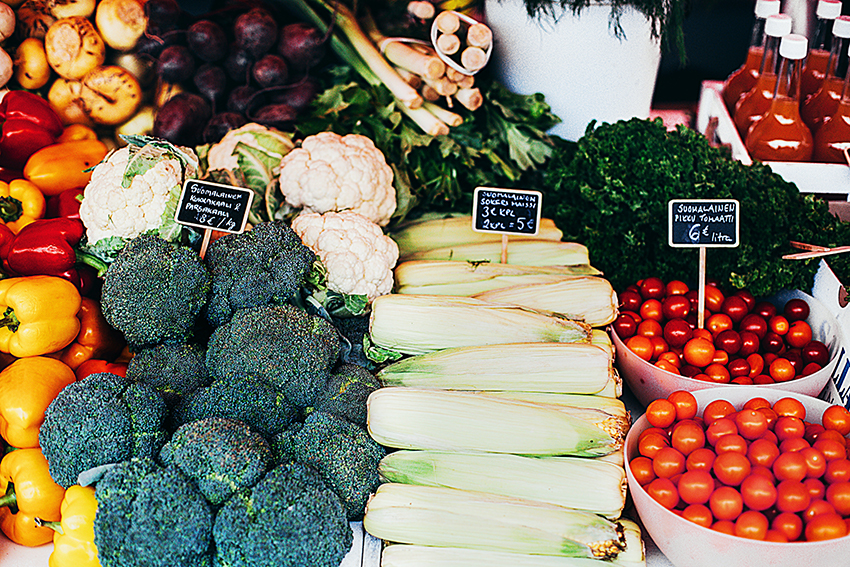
(584, 71)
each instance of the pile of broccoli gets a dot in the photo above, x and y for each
(238, 436)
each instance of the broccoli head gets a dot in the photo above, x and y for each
(151, 516)
(344, 454)
(282, 345)
(288, 519)
(154, 291)
(103, 418)
(175, 370)
(345, 393)
(246, 399)
(221, 455)
(265, 265)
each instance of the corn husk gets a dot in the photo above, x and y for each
(406, 555)
(520, 251)
(416, 324)
(574, 482)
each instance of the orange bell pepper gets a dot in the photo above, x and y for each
(62, 166)
(21, 203)
(26, 484)
(39, 315)
(97, 339)
(27, 386)
(74, 132)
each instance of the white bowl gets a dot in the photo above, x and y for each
(649, 382)
(687, 544)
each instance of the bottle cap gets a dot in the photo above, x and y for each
(793, 46)
(778, 25)
(765, 8)
(828, 9)
(841, 27)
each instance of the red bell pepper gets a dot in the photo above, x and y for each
(66, 204)
(48, 247)
(28, 124)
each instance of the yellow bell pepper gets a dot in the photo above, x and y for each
(39, 315)
(74, 132)
(21, 202)
(62, 166)
(73, 540)
(25, 480)
(27, 386)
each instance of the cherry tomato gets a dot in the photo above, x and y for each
(817, 507)
(739, 368)
(751, 525)
(641, 468)
(796, 309)
(668, 462)
(735, 308)
(731, 468)
(751, 423)
(649, 445)
(663, 491)
(652, 288)
(675, 307)
(728, 340)
(731, 443)
(799, 334)
(726, 503)
(651, 309)
(810, 369)
(775, 536)
(717, 372)
(830, 448)
(721, 357)
(838, 494)
(649, 328)
(687, 437)
(661, 413)
(659, 346)
(756, 403)
(788, 524)
(672, 358)
(718, 322)
(724, 527)
(713, 298)
(816, 488)
(817, 352)
(837, 418)
(750, 343)
(793, 444)
(755, 324)
(772, 343)
(758, 492)
(699, 352)
(825, 526)
(790, 466)
(700, 460)
(792, 496)
(719, 428)
(716, 409)
(677, 332)
(695, 487)
(778, 324)
(641, 346)
(685, 403)
(747, 297)
(630, 301)
(756, 362)
(625, 326)
(762, 452)
(790, 406)
(765, 309)
(676, 287)
(771, 418)
(698, 514)
(781, 370)
(815, 462)
(837, 470)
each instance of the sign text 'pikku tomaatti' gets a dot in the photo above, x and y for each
(704, 222)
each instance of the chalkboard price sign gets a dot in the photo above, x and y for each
(712, 223)
(506, 211)
(214, 206)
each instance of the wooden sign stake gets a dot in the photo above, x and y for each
(205, 242)
(504, 249)
(701, 297)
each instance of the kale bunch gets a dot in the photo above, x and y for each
(610, 191)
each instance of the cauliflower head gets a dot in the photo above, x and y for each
(134, 191)
(358, 256)
(330, 172)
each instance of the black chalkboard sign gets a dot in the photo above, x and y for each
(214, 206)
(710, 223)
(506, 211)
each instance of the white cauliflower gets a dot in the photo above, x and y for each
(135, 190)
(358, 256)
(225, 154)
(330, 172)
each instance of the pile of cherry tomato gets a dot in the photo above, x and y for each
(762, 472)
(743, 341)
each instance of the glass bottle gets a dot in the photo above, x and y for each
(824, 101)
(814, 67)
(744, 78)
(756, 102)
(781, 135)
(833, 136)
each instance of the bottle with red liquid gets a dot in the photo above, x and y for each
(832, 139)
(781, 135)
(744, 78)
(754, 103)
(824, 101)
(814, 67)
